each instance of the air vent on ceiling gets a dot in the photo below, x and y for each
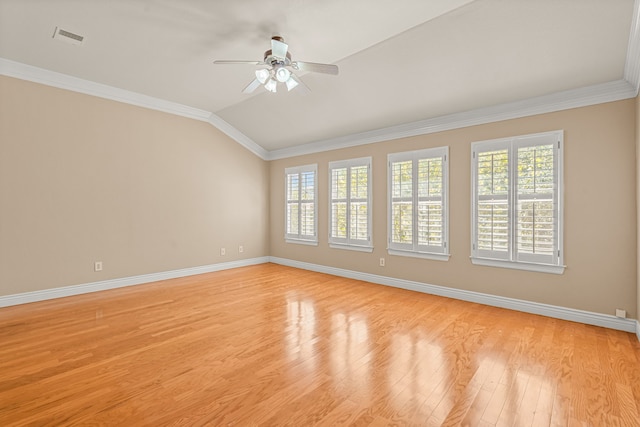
(67, 36)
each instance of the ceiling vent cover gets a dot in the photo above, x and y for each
(67, 36)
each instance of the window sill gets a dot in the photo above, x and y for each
(302, 242)
(424, 255)
(519, 265)
(351, 247)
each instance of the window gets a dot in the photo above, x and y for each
(350, 204)
(516, 203)
(418, 206)
(301, 194)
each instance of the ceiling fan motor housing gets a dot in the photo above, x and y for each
(269, 58)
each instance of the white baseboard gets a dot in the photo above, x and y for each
(587, 317)
(590, 318)
(9, 300)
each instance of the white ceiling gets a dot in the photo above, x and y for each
(400, 61)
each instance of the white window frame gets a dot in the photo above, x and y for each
(300, 238)
(511, 258)
(364, 245)
(440, 253)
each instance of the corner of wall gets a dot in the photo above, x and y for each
(637, 129)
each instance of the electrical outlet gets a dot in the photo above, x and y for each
(240, 249)
(621, 313)
(223, 251)
(381, 262)
(97, 266)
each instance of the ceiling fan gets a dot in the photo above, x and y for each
(280, 68)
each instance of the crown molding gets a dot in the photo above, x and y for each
(632, 64)
(617, 90)
(605, 92)
(63, 81)
(582, 97)
(239, 137)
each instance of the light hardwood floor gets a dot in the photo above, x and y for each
(272, 345)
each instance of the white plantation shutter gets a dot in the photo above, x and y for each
(402, 204)
(349, 204)
(493, 203)
(359, 192)
(293, 204)
(430, 198)
(301, 206)
(536, 201)
(516, 202)
(418, 203)
(338, 214)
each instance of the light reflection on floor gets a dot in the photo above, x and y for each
(423, 376)
(301, 325)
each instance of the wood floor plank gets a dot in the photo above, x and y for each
(273, 345)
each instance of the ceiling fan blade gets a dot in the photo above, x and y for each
(251, 86)
(302, 88)
(315, 67)
(233, 61)
(279, 49)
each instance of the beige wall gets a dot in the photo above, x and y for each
(638, 198)
(600, 213)
(85, 179)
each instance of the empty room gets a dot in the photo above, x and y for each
(319, 213)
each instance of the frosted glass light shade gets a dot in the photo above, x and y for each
(291, 83)
(262, 75)
(271, 85)
(282, 74)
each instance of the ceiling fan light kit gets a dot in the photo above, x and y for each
(282, 74)
(281, 67)
(262, 75)
(271, 86)
(292, 82)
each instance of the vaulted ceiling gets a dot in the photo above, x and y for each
(400, 62)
